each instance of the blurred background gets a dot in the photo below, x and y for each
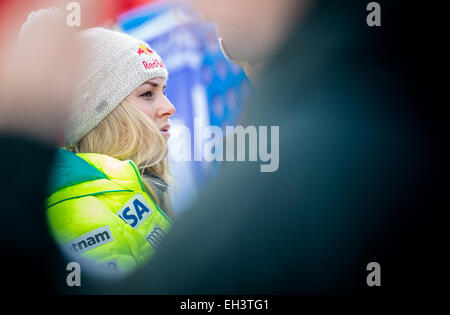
(202, 83)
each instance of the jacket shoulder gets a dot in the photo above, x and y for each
(79, 175)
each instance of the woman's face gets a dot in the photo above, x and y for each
(150, 98)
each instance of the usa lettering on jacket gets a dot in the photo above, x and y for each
(135, 211)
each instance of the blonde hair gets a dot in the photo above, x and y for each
(128, 134)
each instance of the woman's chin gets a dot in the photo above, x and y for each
(166, 134)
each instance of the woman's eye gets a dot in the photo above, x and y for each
(147, 94)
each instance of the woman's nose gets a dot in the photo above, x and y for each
(166, 108)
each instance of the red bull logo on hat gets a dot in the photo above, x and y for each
(144, 50)
(154, 62)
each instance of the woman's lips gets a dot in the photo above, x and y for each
(165, 130)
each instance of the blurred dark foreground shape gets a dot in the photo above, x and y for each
(361, 175)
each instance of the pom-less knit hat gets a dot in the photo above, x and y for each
(113, 65)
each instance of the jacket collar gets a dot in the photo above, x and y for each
(71, 169)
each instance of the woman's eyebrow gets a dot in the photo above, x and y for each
(153, 84)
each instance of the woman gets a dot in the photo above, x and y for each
(108, 200)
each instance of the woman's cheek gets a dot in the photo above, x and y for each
(150, 113)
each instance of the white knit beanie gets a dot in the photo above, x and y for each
(113, 64)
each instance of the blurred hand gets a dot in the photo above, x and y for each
(252, 31)
(37, 76)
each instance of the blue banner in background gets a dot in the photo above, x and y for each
(204, 87)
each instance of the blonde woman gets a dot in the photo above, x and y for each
(108, 201)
